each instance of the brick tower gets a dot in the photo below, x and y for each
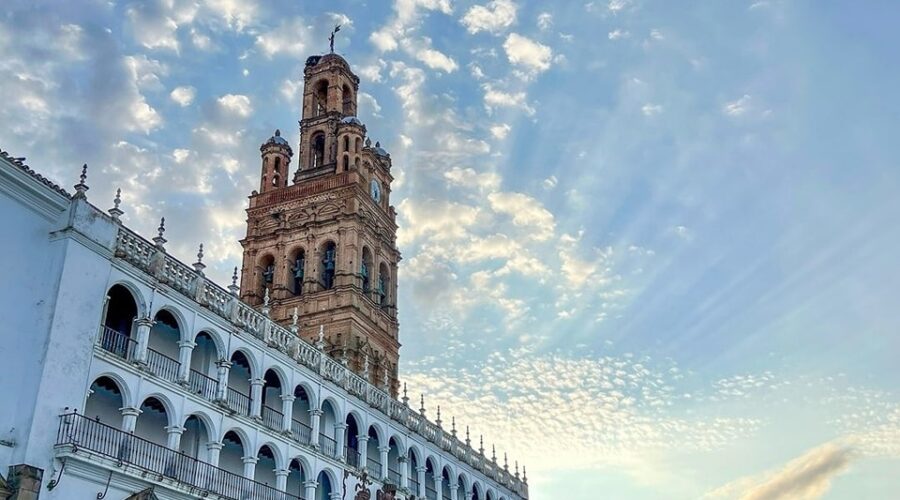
(325, 245)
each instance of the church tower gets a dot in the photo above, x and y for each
(325, 245)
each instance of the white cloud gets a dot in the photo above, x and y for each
(236, 104)
(183, 95)
(436, 60)
(289, 38)
(737, 107)
(526, 212)
(372, 72)
(181, 155)
(500, 131)
(655, 34)
(146, 72)
(494, 17)
(550, 182)
(368, 103)
(237, 14)
(407, 20)
(152, 30)
(468, 177)
(497, 98)
(544, 21)
(617, 33)
(615, 6)
(651, 109)
(525, 52)
(439, 220)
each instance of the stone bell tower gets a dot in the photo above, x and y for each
(325, 246)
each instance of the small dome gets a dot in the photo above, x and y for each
(381, 151)
(351, 119)
(277, 139)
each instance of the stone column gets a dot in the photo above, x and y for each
(438, 487)
(335, 496)
(339, 429)
(222, 367)
(384, 450)
(212, 449)
(420, 472)
(174, 436)
(287, 409)
(281, 476)
(143, 339)
(404, 472)
(185, 347)
(314, 415)
(129, 418)
(454, 487)
(310, 489)
(256, 386)
(363, 451)
(249, 466)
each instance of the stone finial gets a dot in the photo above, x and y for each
(344, 356)
(265, 308)
(524, 475)
(277, 132)
(160, 240)
(320, 343)
(294, 317)
(366, 366)
(422, 402)
(384, 378)
(494, 453)
(405, 396)
(199, 266)
(438, 421)
(115, 212)
(82, 187)
(481, 444)
(377, 144)
(234, 288)
(505, 463)
(453, 426)
(517, 469)
(368, 142)
(468, 441)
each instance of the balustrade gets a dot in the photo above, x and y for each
(272, 418)
(162, 365)
(238, 401)
(117, 343)
(300, 431)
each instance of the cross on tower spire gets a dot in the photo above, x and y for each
(331, 38)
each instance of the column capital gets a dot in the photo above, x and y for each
(187, 343)
(453, 488)
(289, 398)
(282, 472)
(362, 439)
(174, 429)
(223, 363)
(384, 449)
(257, 381)
(214, 446)
(310, 483)
(421, 469)
(315, 412)
(340, 426)
(145, 321)
(249, 460)
(335, 496)
(401, 459)
(130, 411)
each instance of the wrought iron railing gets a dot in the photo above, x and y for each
(81, 432)
(238, 401)
(430, 492)
(374, 467)
(272, 418)
(394, 476)
(203, 385)
(300, 431)
(413, 482)
(116, 342)
(327, 445)
(162, 365)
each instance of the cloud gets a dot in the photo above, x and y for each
(468, 177)
(500, 130)
(617, 33)
(807, 477)
(737, 107)
(651, 109)
(527, 53)
(236, 104)
(544, 21)
(372, 72)
(405, 22)
(494, 98)
(183, 96)
(550, 182)
(289, 38)
(526, 212)
(494, 17)
(436, 60)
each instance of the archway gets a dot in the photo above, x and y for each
(324, 488)
(352, 440)
(265, 466)
(238, 394)
(162, 346)
(373, 454)
(121, 312)
(296, 478)
(394, 461)
(329, 264)
(202, 375)
(232, 454)
(103, 402)
(271, 401)
(301, 425)
(327, 443)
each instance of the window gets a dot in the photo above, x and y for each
(328, 265)
(366, 269)
(297, 270)
(317, 158)
(347, 95)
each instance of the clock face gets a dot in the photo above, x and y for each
(375, 190)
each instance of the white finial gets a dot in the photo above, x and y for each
(366, 366)
(115, 211)
(294, 317)
(524, 475)
(505, 463)
(453, 425)
(81, 188)
(320, 344)
(234, 288)
(422, 402)
(481, 444)
(468, 441)
(517, 469)
(160, 240)
(384, 377)
(199, 266)
(438, 421)
(265, 307)
(405, 397)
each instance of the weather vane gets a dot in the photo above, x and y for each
(331, 38)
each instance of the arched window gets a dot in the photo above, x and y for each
(365, 270)
(352, 440)
(357, 141)
(277, 165)
(104, 402)
(121, 311)
(238, 393)
(317, 155)
(346, 163)
(347, 103)
(346, 143)
(275, 181)
(329, 256)
(321, 98)
(267, 275)
(298, 264)
(384, 284)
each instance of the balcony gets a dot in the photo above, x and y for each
(117, 343)
(300, 431)
(80, 433)
(327, 445)
(272, 418)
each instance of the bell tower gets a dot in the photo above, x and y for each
(325, 245)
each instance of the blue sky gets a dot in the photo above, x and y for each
(649, 247)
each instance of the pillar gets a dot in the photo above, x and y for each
(256, 385)
(363, 450)
(339, 429)
(185, 347)
(222, 367)
(174, 436)
(249, 466)
(314, 415)
(281, 476)
(143, 339)
(212, 452)
(420, 473)
(129, 418)
(335, 496)
(309, 486)
(404, 472)
(454, 487)
(287, 409)
(438, 486)
(384, 450)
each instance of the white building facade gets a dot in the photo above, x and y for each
(128, 374)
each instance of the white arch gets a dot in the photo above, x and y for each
(136, 295)
(124, 388)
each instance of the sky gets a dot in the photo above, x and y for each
(649, 247)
